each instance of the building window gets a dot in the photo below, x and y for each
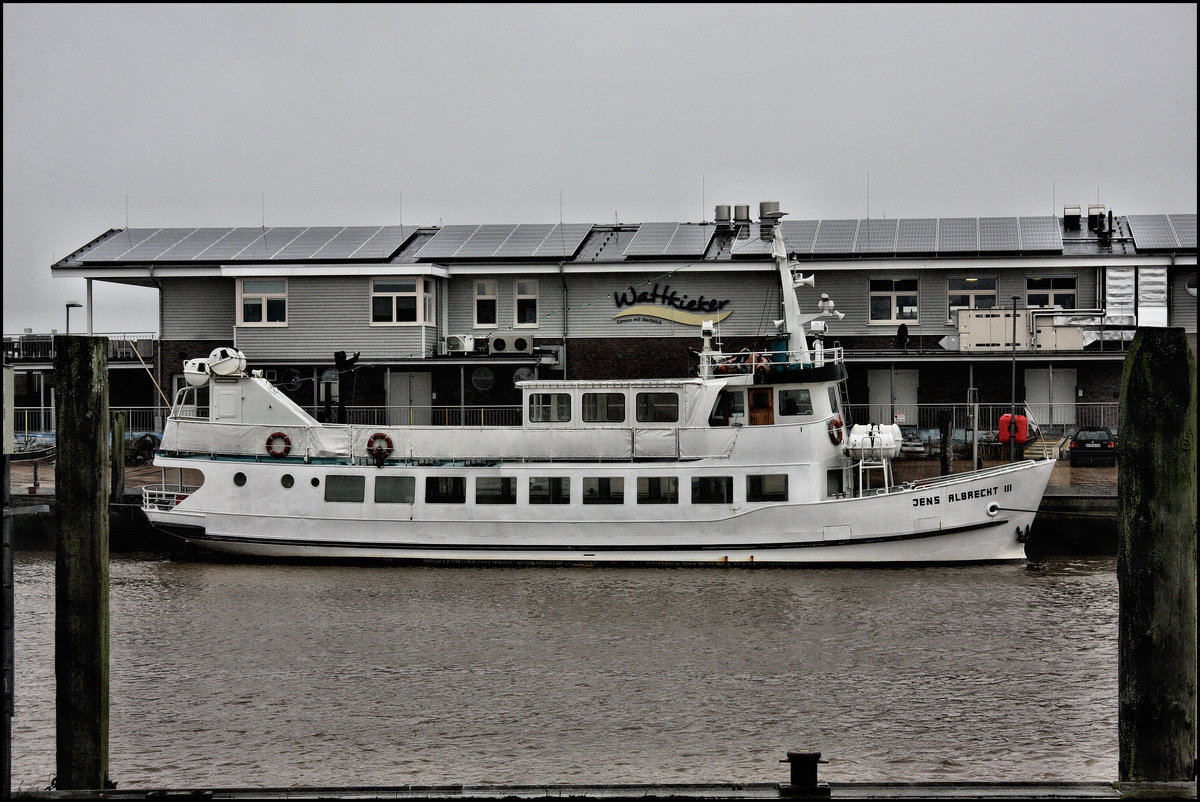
(970, 293)
(657, 407)
(1054, 291)
(893, 300)
(549, 407)
(262, 302)
(526, 292)
(604, 407)
(603, 490)
(712, 489)
(399, 301)
(485, 303)
(658, 490)
(549, 490)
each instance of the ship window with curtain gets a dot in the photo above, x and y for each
(658, 490)
(549, 490)
(603, 490)
(262, 302)
(340, 487)
(893, 300)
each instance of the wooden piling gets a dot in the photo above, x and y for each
(1156, 560)
(117, 460)
(82, 481)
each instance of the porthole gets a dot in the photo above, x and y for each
(239, 479)
(287, 480)
(316, 482)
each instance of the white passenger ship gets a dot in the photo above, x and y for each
(751, 461)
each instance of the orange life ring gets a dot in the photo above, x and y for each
(274, 448)
(835, 429)
(375, 447)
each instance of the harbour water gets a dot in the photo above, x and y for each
(227, 674)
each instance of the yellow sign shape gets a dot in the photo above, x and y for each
(674, 315)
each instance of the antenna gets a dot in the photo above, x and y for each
(402, 210)
(263, 210)
(703, 206)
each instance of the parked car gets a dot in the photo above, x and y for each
(1093, 444)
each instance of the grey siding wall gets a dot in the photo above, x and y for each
(461, 318)
(198, 309)
(1183, 303)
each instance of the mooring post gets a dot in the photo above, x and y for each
(1156, 560)
(81, 570)
(803, 776)
(946, 450)
(118, 456)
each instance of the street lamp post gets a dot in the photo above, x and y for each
(71, 305)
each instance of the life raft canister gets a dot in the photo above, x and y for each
(835, 430)
(279, 445)
(379, 446)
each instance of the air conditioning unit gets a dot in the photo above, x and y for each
(510, 344)
(460, 344)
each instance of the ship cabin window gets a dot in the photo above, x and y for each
(549, 407)
(445, 490)
(604, 407)
(767, 487)
(833, 400)
(729, 409)
(712, 489)
(795, 402)
(496, 490)
(603, 490)
(658, 490)
(549, 490)
(344, 488)
(395, 490)
(834, 482)
(657, 407)
(262, 302)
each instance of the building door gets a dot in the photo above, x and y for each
(892, 395)
(410, 398)
(762, 407)
(1050, 395)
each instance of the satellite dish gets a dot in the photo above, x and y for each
(524, 375)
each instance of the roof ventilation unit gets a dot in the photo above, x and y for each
(768, 212)
(722, 217)
(741, 214)
(1096, 217)
(510, 344)
(460, 344)
(1071, 217)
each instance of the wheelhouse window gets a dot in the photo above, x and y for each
(485, 303)
(1050, 291)
(970, 293)
(658, 490)
(604, 407)
(657, 407)
(712, 489)
(549, 490)
(603, 490)
(400, 301)
(549, 407)
(262, 302)
(795, 402)
(893, 300)
(526, 296)
(767, 487)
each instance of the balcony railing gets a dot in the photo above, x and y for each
(40, 347)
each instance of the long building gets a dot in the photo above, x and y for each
(431, 323)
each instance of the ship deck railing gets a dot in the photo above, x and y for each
(166, 496)
(716, 363)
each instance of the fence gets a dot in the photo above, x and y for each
(1049, 418)
(40, 347)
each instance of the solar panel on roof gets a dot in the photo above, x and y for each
(193, 245)
(651, 239)
(343, 244)
(748, 241)
(485, 241)
(525, 240)
(384, 242)
(162, 240)
(1152, 231)
(958, 234)
(916, 235)
(998, 234)
(446, 242)
(275, 239)
(798, 234)
(563, 240)
(1185, 229)
(1040, 234)
(877, 236)
(835, 236)
(690, 240)
(232, 244)
(113, 248)
(309, 241)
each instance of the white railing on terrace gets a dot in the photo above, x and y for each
(121, 345)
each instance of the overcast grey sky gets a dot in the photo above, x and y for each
(236, 115)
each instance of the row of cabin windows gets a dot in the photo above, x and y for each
(663, 407)
(412, 301)
(551, 489)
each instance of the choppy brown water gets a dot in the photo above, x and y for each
(257, 675)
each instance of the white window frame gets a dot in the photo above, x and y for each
(1053, 294)
(893, 295)
(973, 295)
(263, 297)
(518, 296)
(485, 290)
(415, 294)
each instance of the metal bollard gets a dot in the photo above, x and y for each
(804, 783)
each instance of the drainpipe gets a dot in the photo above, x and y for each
(562, 278)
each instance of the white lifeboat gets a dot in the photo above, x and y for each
(874, 441)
